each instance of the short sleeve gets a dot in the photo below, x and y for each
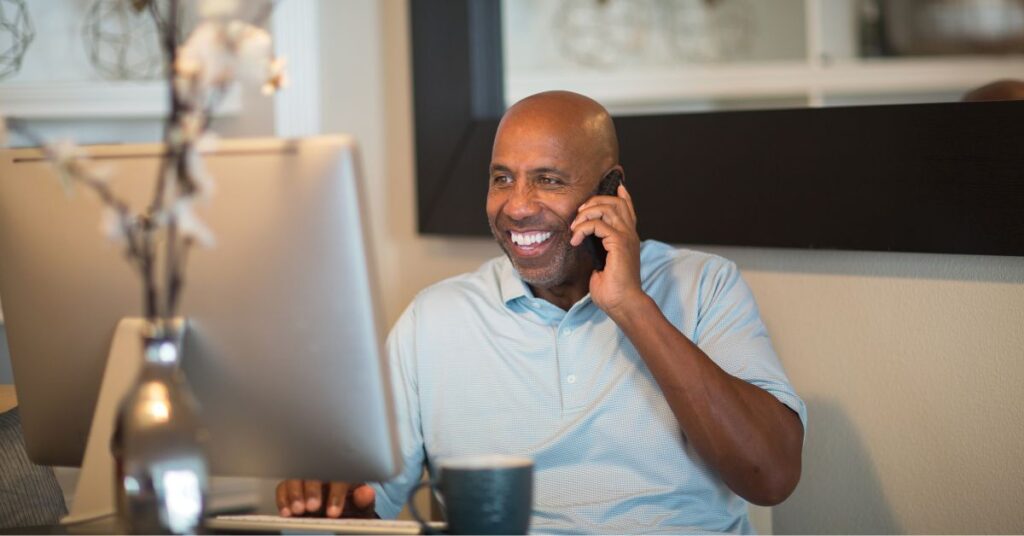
(730, 331)
(401, 349)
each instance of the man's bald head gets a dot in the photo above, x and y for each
(584, 126)
(550, 153)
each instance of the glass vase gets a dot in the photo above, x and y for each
(161, 474)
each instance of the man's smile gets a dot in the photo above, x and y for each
(530, 243)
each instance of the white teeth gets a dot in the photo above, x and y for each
(527, 239)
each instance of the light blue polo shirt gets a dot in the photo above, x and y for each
(481, 366)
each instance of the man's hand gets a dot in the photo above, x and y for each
(613, 220)
(298, 497)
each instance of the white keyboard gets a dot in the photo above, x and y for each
(266, 523)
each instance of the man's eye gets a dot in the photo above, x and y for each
(549, 181)
(501, 179)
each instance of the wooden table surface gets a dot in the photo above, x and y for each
(7, 397)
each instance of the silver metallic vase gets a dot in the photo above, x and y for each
(160, 468)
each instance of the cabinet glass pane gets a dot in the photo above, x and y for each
(623, 35)
(658, 56)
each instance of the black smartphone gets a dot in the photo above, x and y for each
(609, 185)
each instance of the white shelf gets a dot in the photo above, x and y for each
(86, 100)
(766, 80)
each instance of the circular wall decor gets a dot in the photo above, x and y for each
(122, 41)
(16, 34)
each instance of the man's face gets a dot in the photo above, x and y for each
(538, 179)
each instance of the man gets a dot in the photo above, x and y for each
(647, 393)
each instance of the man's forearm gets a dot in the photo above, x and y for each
(745, 433)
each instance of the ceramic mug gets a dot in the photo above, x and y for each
(488, 494)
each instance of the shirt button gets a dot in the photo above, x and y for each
(571, 378)
(566, 331)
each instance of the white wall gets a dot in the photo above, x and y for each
(367, 92)
(911, 368)
(912, 365)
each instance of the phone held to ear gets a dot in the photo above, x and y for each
(609, 186)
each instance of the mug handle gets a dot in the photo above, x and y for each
(425, 527)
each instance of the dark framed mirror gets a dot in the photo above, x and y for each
(940, 177)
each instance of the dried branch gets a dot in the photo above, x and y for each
(194, 92)
(132, 229)
(169, 34)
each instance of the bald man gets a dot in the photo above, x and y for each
(647, 392)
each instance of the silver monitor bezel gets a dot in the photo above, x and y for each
(321, 408)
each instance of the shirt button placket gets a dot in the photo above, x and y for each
(568, 362)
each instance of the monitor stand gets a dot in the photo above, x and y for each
(94, 493)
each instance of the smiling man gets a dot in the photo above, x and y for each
(549, 153)
(647, 393)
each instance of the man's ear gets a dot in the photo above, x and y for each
(610, 181)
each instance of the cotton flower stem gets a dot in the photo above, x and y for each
(170, 45)
(177, 282)
(214, 102)
(171, 271)
(173, 157)
(192, 102)
(138, 246)
(145, 262)
(101, 189)
(263, 15)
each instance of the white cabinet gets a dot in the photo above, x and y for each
(57, 78)
(657, 56)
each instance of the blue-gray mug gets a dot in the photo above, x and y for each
(489, 494)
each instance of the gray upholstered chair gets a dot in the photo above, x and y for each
(29, 493)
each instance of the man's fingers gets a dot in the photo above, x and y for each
(282, 499)
(296, 497)
(599, 200)
(620, 206)
(624, 194)
(630, 210)
(336, 498)
(360, 502)
(364, 497)
(590, 227)
(605, 213)
(314, 494)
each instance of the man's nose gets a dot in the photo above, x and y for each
(522, 202)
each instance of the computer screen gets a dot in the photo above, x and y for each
(283, 349)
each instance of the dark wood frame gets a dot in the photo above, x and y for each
(940, 178)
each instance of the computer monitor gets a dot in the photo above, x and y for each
(283, 349)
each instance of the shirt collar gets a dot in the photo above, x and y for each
(511, 286)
